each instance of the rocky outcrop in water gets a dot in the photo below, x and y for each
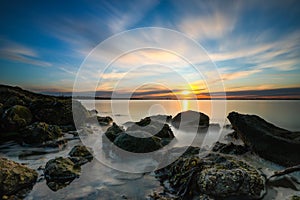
(20, 108)
(190, 118)
(80, 154)
(60, 172)
(40, 132)
(229, 148)
(215, 175)
(15, 178)
(270, 142)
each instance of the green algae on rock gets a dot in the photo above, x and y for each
(15, 177)
(60, 172)
(15, 118)
(40, 132)
(215, 175)
(80, 154)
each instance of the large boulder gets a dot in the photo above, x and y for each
(40, 132)
(138, 142)
(154, 127)
(15, 118)
(267, 140)
(113, 132)
(15, 177)
(80, 154)
(191, 118)
(59, 111)
(60, 172)
(215, 175)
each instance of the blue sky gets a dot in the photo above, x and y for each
(255, 45)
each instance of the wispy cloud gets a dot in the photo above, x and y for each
(19, 53)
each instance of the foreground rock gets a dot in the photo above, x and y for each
(138, 142)
(15, 177)
(215, 175)
(80, 154)
(40, 132)
(229, 148)
(270, 142)
(15, 118)
(113, 132)
(191, 118)
(153, 126)
(60, 172)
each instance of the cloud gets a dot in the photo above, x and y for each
(20, 53)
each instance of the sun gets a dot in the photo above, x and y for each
(185, 92)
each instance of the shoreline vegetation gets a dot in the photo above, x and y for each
(46, 122)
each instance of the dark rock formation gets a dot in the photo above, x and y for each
(191, 118)
(104, 121)
(138, 142)
(80, 154)
(270, 142)
(154, 127)
(60, 172)
(113, 132)
(215, 175)
(229, 148)
(40, 132)
(15, 118)
(15, 177)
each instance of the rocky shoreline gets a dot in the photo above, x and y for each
(41, 121)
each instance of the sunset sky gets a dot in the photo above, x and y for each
(255, 46)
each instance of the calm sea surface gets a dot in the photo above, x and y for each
(283, 113)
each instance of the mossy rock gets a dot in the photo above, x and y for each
(15, 118)
(216, 175)
(104, 121)
(138, 142)
(80, 151)
(113, 132)
(156, 128)
(15, 177)
(40, 132)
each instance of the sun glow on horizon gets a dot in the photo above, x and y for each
(186, 92)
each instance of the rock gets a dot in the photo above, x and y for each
(13, 100)
(268, 141)
(294, 197)
(232, 136)
(40, 132)
(15, 118)
(113, 132)
(104, 121)
(80, 155)
(15, 177)
(60, 172)
(191, 118)
(59, 111)
(216, 175)
(229, 148)
(285, 181)
(138, 142)
(153, 127)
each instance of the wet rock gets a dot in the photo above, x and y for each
(229, 148)
(60, 172)
(40, 132)
(270, 142)
(138, 142)
(285, 181)
(216, 175)
(59, 111)
(191, 118)
(15, 177)
(13, 100)
(80, 154)
(232, 136)
(113, 132)
(153, 127)
(104, 121)
(294, 197)
(15, 118)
